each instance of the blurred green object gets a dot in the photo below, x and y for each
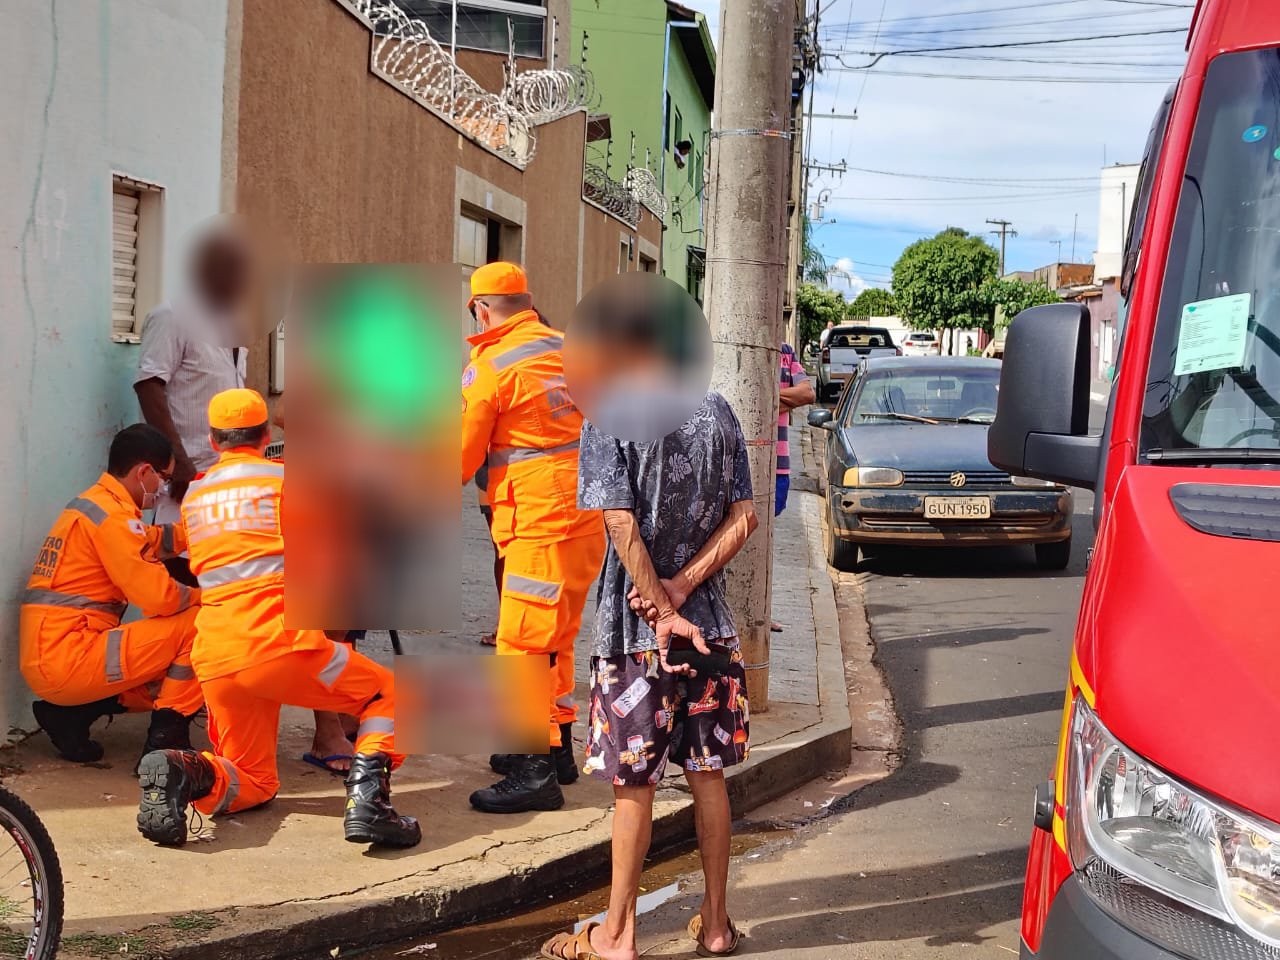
(377, 340)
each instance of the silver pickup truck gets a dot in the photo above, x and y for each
(846, 347)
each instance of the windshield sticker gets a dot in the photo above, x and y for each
(1255, 133)
(1213, 334)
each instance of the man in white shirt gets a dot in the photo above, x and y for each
(826, 334)
(192, 350)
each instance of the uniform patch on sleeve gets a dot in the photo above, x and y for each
(468, 376)
(136, 526)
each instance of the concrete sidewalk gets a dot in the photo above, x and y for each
(280, 881)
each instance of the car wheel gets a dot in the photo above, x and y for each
(841, 554)
(1053, 556)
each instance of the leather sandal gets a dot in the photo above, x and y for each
(571, 946)
(695, 934)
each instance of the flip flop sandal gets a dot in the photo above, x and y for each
(489, 639)
(695, 934)
(326, 763)
(571, 946)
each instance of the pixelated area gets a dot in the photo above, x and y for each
(459, 705)
(637, 356)
(373, 504)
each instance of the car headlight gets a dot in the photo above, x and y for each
(872, 477)
(1032, 482)
(1142, 822)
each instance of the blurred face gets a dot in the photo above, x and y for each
(220, 269)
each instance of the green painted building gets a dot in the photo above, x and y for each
(654, 67)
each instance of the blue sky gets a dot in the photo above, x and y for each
(1013, 148)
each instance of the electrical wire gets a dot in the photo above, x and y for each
(994, 181)
(1021, 79)
(1002, 26)
(879, 55)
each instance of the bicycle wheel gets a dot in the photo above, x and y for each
(30, 884)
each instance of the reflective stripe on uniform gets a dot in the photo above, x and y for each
(180, 671)
(246, 570)
(509, 455)
(115, 669)
(241, 471)
(54, 598)
(167, 551)
(337, 663)
(534, 348)
(530, 587)
(233, 786)
(376, 725)
(90, 510)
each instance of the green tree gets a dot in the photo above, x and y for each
(816, 307)
(873, 302)
(813, 266)
(942, 283)
(1010, 297)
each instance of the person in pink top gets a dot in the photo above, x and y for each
(795, 391)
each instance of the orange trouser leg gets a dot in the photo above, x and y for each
(147, 664)
(244, 711)
(544, 588)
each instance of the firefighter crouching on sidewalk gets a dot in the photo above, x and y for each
(98, 558)
(518, 420)
(249, 664)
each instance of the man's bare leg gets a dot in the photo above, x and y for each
(615, 939)
(331, 740)
(714, 823)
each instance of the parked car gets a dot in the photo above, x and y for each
(921, 343)
(1157, 828)
(847, 346)
(906, 465)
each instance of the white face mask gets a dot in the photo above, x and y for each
(149, 497)
(639, 410)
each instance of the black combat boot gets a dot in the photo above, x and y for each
(566, 765)
(170, 780)
(369, 817)
(531, 785)
(169, 730)
(68, 727)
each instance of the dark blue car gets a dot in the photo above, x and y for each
(906, 464)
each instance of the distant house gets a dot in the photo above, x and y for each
(1119, 187)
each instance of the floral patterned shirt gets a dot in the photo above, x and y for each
(680, 489)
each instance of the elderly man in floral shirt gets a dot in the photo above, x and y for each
(677, 509)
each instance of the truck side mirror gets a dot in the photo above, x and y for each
(1041, 428)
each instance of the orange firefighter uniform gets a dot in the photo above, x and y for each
(519, 422)
(98, 558)
(247, 662)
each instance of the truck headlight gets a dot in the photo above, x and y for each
(1140, 821)
(872, 477)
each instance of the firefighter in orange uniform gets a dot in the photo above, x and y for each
(249, 664)
(518, 421)
(98, 558)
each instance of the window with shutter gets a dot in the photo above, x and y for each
(135, 255)
(124, 261)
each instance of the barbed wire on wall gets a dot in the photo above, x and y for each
(642, 184)
(604, 191)
(408, 55)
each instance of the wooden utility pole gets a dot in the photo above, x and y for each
(746, 278)
(1006, 230)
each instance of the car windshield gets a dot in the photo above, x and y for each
(863, 337)
(1213, 388)
(938, 396)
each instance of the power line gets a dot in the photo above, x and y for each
(1006, 78)
(867, 76)
(1015, 8)
(995, 181)
(879, 55)
(1001, 27)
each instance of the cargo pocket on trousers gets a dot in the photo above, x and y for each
(536, 611)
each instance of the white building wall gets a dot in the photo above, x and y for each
(1115, 209)
(133, 87)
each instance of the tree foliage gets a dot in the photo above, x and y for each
(816, 306)
(944, 282)
(1011, 297)
(814, 264)
(873, 302)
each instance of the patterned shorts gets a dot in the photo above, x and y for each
(641, 716)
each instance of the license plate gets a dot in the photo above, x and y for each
(957, 508)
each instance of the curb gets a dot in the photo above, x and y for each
(413, 907)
